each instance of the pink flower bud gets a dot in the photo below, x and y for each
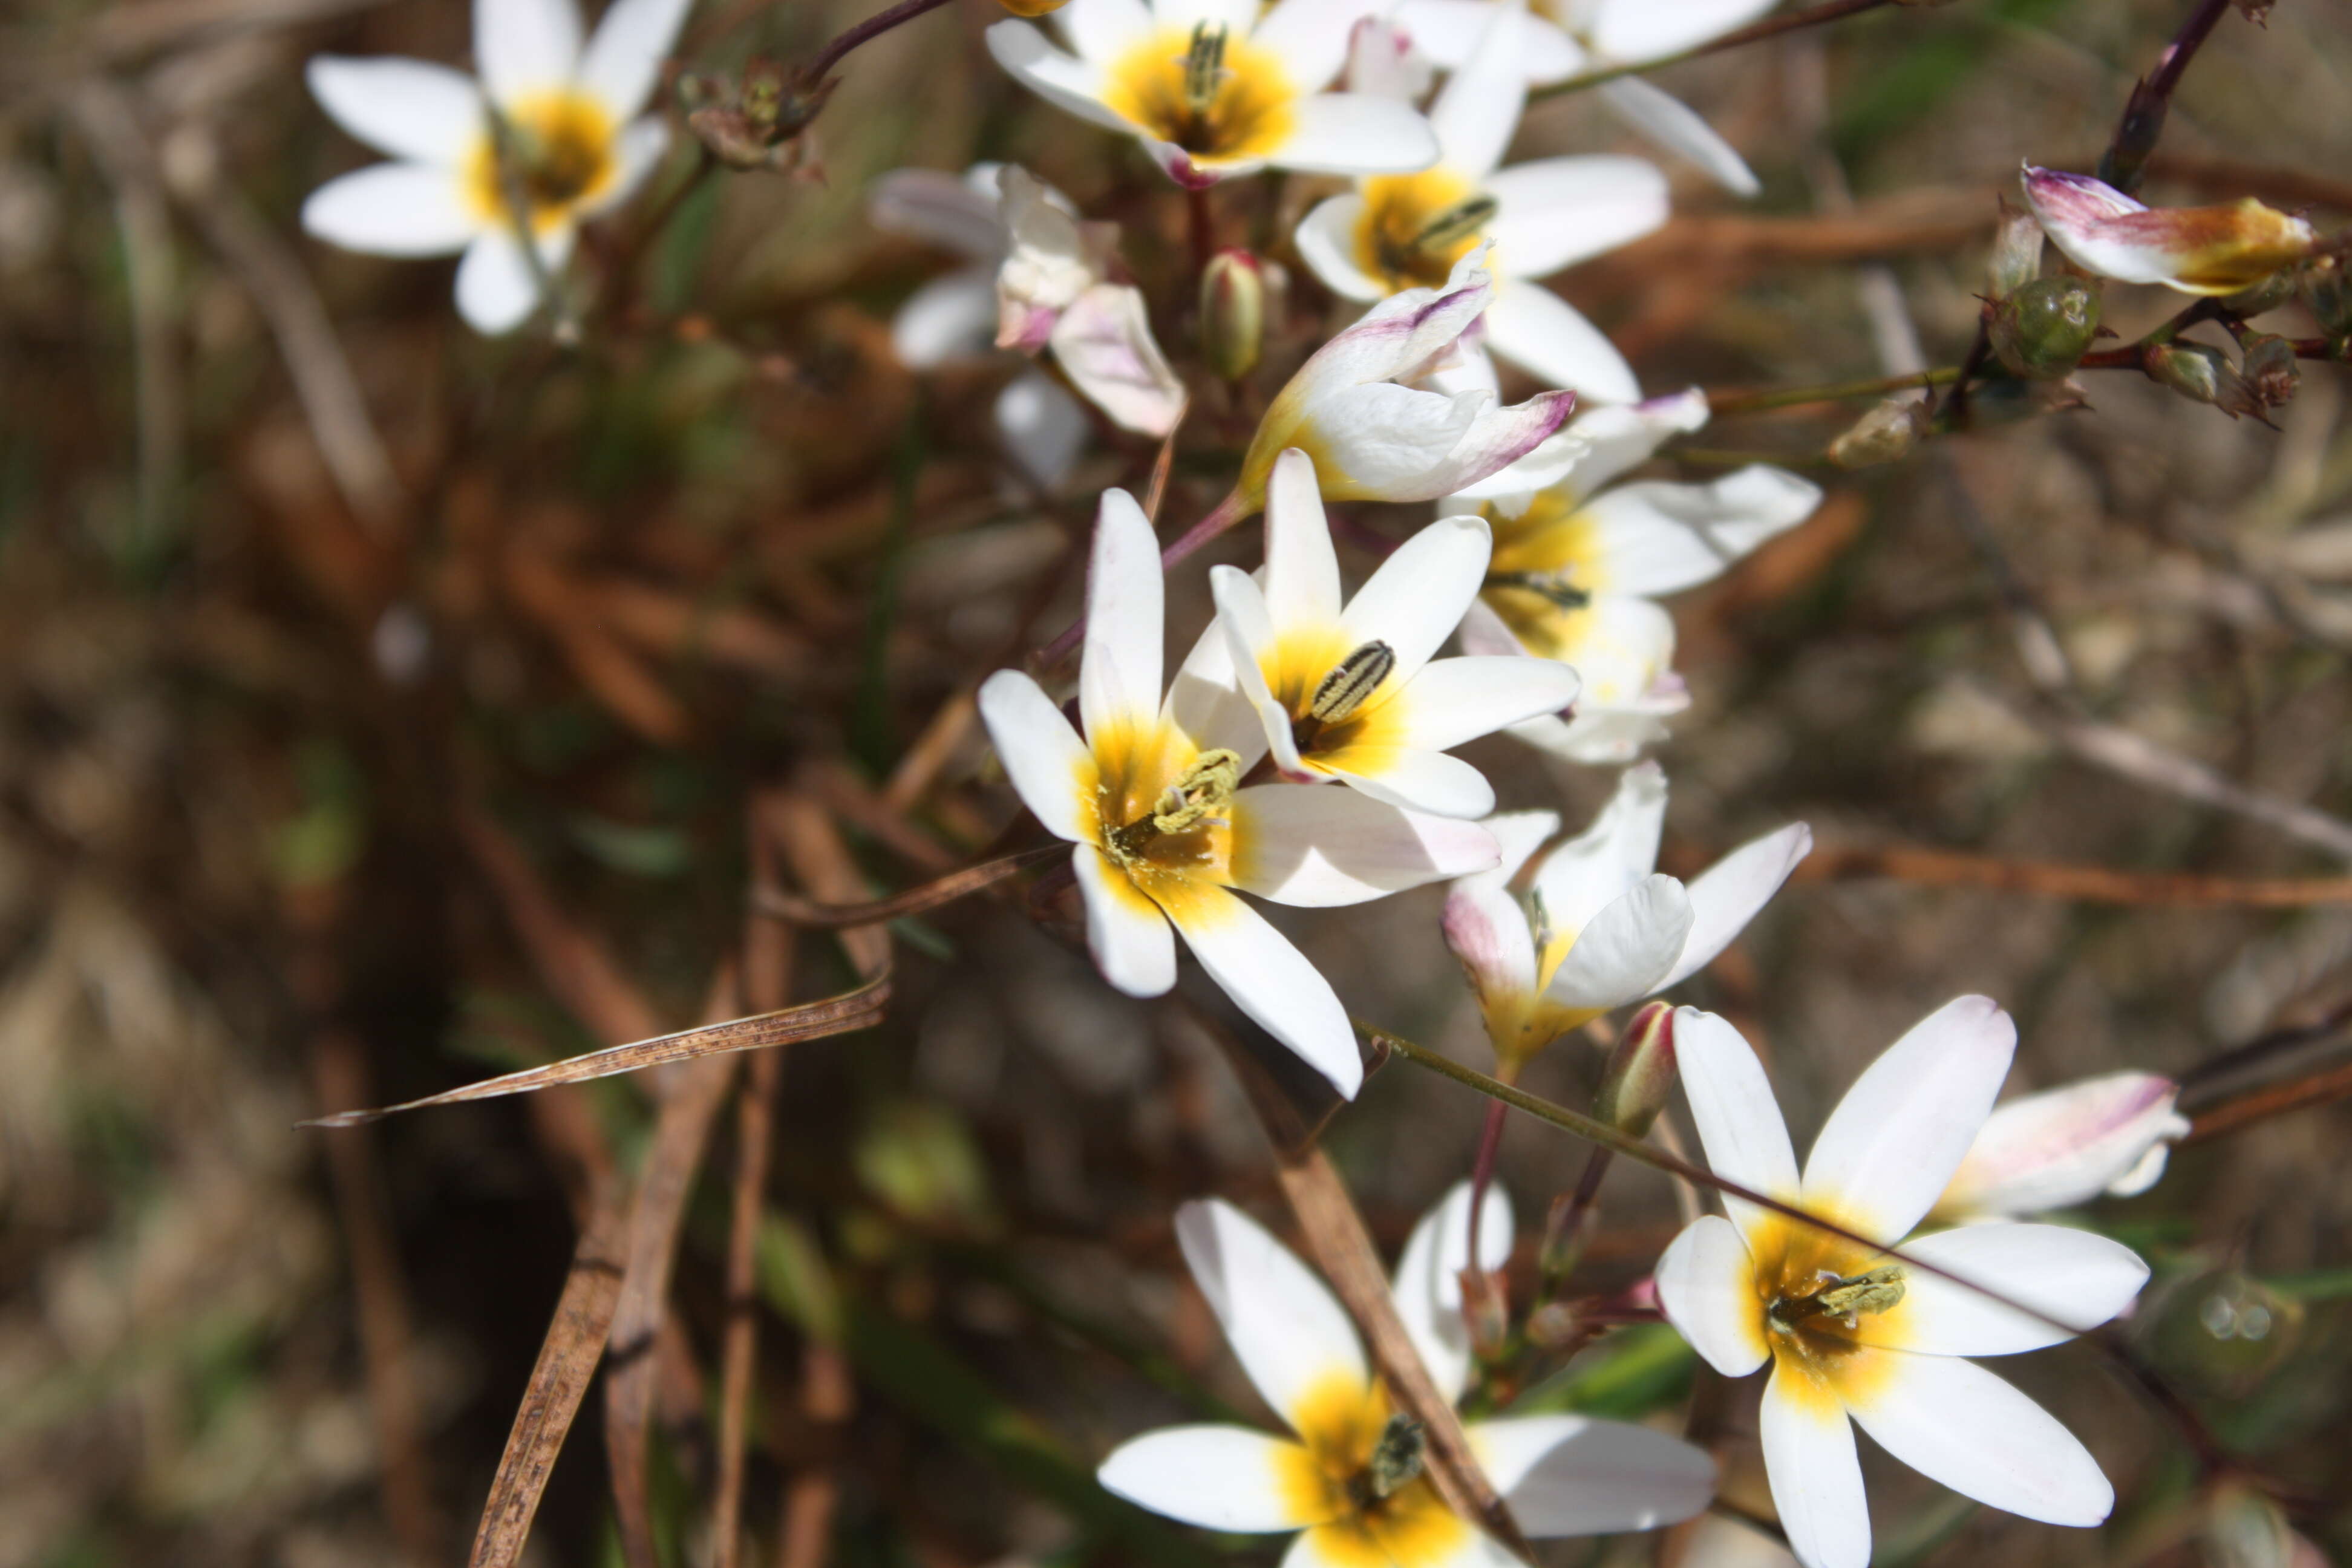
(1640, 1071)
(2197, 250)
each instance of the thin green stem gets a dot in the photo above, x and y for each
(1721, 403)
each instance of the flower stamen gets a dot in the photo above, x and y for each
(1202, 796)
(1552, 586)
(1204, 69)
(1394, 1464)
(1843, 1297)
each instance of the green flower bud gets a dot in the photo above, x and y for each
(2243, 1529)
(1641, 1072)
(1233, 313)
(2328, 295)
(2196, 371)
(2267, 295)
(1885, 435)
(2044, 329)
(2270, 369)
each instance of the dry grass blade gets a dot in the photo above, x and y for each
(2091, 884)
(913, 900)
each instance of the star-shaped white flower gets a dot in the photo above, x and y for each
(1348, 1476)
(2109, 1134)
(574, 148)
(1212, 88)
(1349, 691)
(1164, 835)
(1600, 926)
(1401, 231)
(1851, 1337)
(1576, 566)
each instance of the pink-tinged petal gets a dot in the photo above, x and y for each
(1815, 1471)
(1310, 38)
(2078, 1277)
(1707, 1287)
(1479, 110)
(1048, 765)
(392, 209)
(1673, 126)
(1610, 858)
(1623, 951)
(1483, 924)
(1383, 442)
(1286, 1328)
(1040, 428)
(1544, 335)
(1415, 598)
(1118, 671)
(1101, 31)
(1630, 30)
(1428, 782)
(624, 58)
(525, 46)
(1314, 847)
(1355, 133)
(1657, 537)
(1068, 83)
(496, 291)
(1448, 32)
(2074, 201)
(1326, 238)
(405, 108)
(1739, 1121)
(1894, 1140)
(1455, 701)
(1727, 895)
(1573, 1474)
(1428, 1284)
(1104, 344)
(1271, 981)
(940, 208)
(1125, 931)
(2064, 1146)
(1498, 439)
(2197, 250)
(1550, 461)
(1556, 211)
(1956, 1423)
(1302, 569)
(1219, 1478)
(1382, 61)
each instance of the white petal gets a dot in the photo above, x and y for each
(1219, 1478)
(1513, 448)
(1042, 756)
(1449, 31)
(1556, 211)
(1342, 1546)
(1479, 110)
(1428, 782)
(1428, 1283)
(625, 55)
(1071, 85)
(1326, 238)
(1272, 982)
(1043, 429)
(1415, 599)
(1315, 846)
(2064, 1146)
(1101, 31)
(1622, 953)
(1250, 639)
(1302, 569)
(947, 319)
(1310, 38)
(1657, 537)
(392, 209)
(940, 209)
(1596, 737)
(1382, 441)
(2080, 1278)
(1897, 1137)
(1238, 18)
(1104, 344)
(1630, 30)
(1125, 931)
(1706, 1286)
(407, 108)
(1675, 127)
(1954, 1421)
(1355, 133)
(1483, 924)
(525, 46)
(1205, 700)
(1573, 1475)
(1739, 1121)
(637, 153)
(1625, 435)
(1545, 336)
(1118, 672)
(1288, 1331)
(1454, 700)
(496, 291)
(1727, 896)
(1816, 1473)
(1588, 872)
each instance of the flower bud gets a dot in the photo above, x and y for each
(2243, 1529)
(1641, 1072)
(2196, 371)
(2327, 294)
(2044, 329)
(1885, 435)
(1487, 1312)
(1233, 313)
(2197, 250)
(2016, 252)
(2270, 369)
(2267, 295)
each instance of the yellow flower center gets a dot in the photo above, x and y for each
(1813, 1293)
(1543, 575)
(1351, 1450)
(1219, 97)
(1414, 227)
(1338, 694)
(1163, 810)
(560, 154)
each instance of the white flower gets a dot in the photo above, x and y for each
(1601, 926)
(1212, 88)
(2065, 1146)
(1574, 567)
(1599, 34)
(2197, 250)
(576, 152)
(1164, 833)
(1400, 231)
(1560, 1475)
(1350, 692)
(1852, 1335)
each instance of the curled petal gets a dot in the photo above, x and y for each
(2197, 250)
(2064, 1146)
(1104, 344)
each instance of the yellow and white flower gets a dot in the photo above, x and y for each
(2197, 250)
(1212, 89)
(1851, 1337)
(1395, 231)
(2109, 1134)
(1600, 926)
(1575, 566)
(1165, 835)
(1348, 1476)
(573, 144)
(1350, 691)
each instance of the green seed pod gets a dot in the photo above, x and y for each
(1233, 313)
(2043, 329)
